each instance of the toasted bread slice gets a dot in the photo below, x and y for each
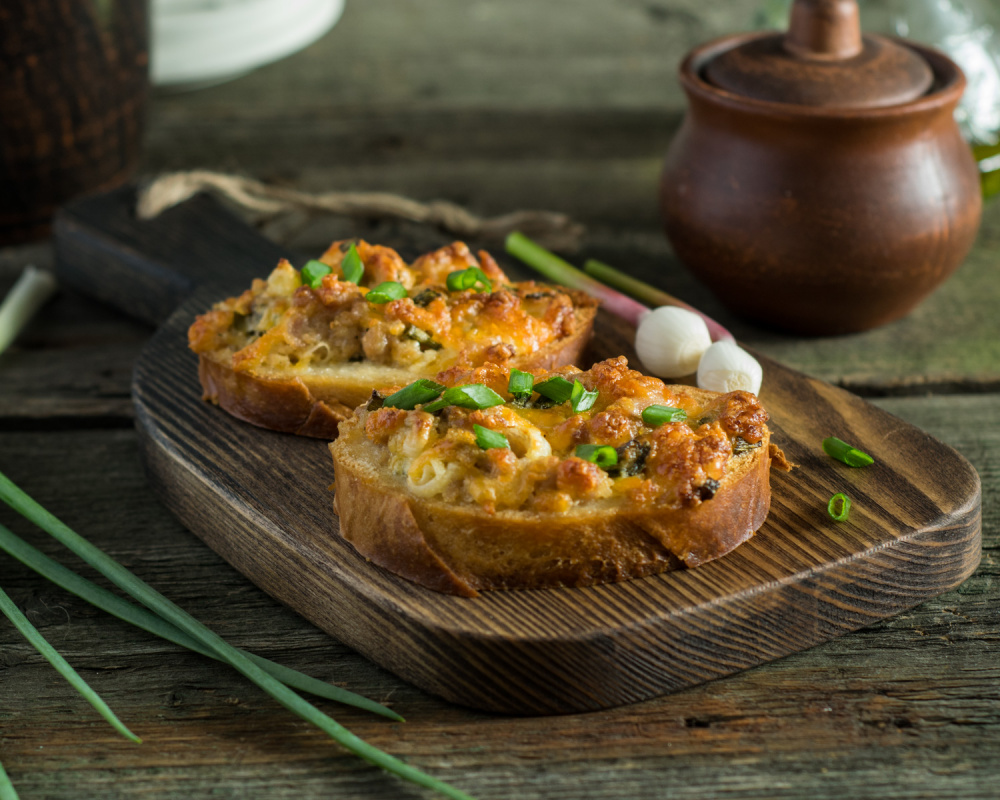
(418, 494)
(287, 356)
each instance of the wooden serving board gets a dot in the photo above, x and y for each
(263, 501)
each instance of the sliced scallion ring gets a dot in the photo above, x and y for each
(604, 455)
(489, 440)
(386, 291)
(409, 397)
(846, 453)
(580, 399)
(313, 273)
(556, 388)
(471, 278)
(352, 266)
(839, 507)
(655, 415)
(473, 395)
(520, 384)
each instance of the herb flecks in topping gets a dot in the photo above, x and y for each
(423, 337)
(631, 458)
(707, 490)
(741, 446)
(425, 297)
(375, 402)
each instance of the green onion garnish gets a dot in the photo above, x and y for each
(314, 272)
(839, 507)
(842, 451)
(580, 399)
(556, 388)
(655, 416)
(489, 440)
(471, 278)
(604, 455)
(473, 395)
(520, 384)
(409, 397)
(386, 291)
(173, 614)
(30, 632)
(111, 603)
(352, 266)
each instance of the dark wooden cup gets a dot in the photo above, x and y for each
(73, 90)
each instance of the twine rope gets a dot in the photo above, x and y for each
(550, 228)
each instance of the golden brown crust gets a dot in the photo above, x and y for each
(467, 547)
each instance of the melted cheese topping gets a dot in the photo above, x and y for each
(675, 464)
(281, 325)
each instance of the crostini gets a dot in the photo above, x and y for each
(298, 351)
(496, 478)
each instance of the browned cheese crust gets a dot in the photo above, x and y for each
(293, 358)
(417, 495)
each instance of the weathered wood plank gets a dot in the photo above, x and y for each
(920, 726)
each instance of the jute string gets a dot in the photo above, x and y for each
(549, 228)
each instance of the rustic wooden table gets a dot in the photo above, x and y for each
(564, 105)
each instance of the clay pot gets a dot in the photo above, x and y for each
(820, 208)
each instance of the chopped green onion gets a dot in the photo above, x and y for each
(30, 632)
(520, 384)
(386, 291)
(556, 388)
(173, 614)
(418, 392)
(604, 455)
(489, 440)
(7, 791)
(842, 451)
(352, 267)
(471, 278)
(580, 399)
(313, 273)
(473, 395)
(655, 416)
(839, 507)
(101, 598)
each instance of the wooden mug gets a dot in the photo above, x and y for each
(73, 89)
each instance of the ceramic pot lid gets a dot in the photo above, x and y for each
(823, 60)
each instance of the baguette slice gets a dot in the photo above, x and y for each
(293, 358)
(417, 495)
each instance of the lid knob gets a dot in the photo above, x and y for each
(824, 29)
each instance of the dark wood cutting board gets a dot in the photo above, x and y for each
(263, 501)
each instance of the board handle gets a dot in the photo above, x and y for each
(147, 268)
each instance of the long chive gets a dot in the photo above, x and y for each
(111, 603)
(30, 632)
(555, 269)
(30, 293)
(6, 787)
(153, 600)
(649, 294)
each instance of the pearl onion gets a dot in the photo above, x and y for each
(726, 367)
(670, 341)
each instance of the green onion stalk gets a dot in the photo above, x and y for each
(596, 280)
(167, 610)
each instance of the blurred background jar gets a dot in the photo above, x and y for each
(966, 30)
(73, 92)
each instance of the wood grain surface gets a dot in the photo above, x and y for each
(261, 500)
